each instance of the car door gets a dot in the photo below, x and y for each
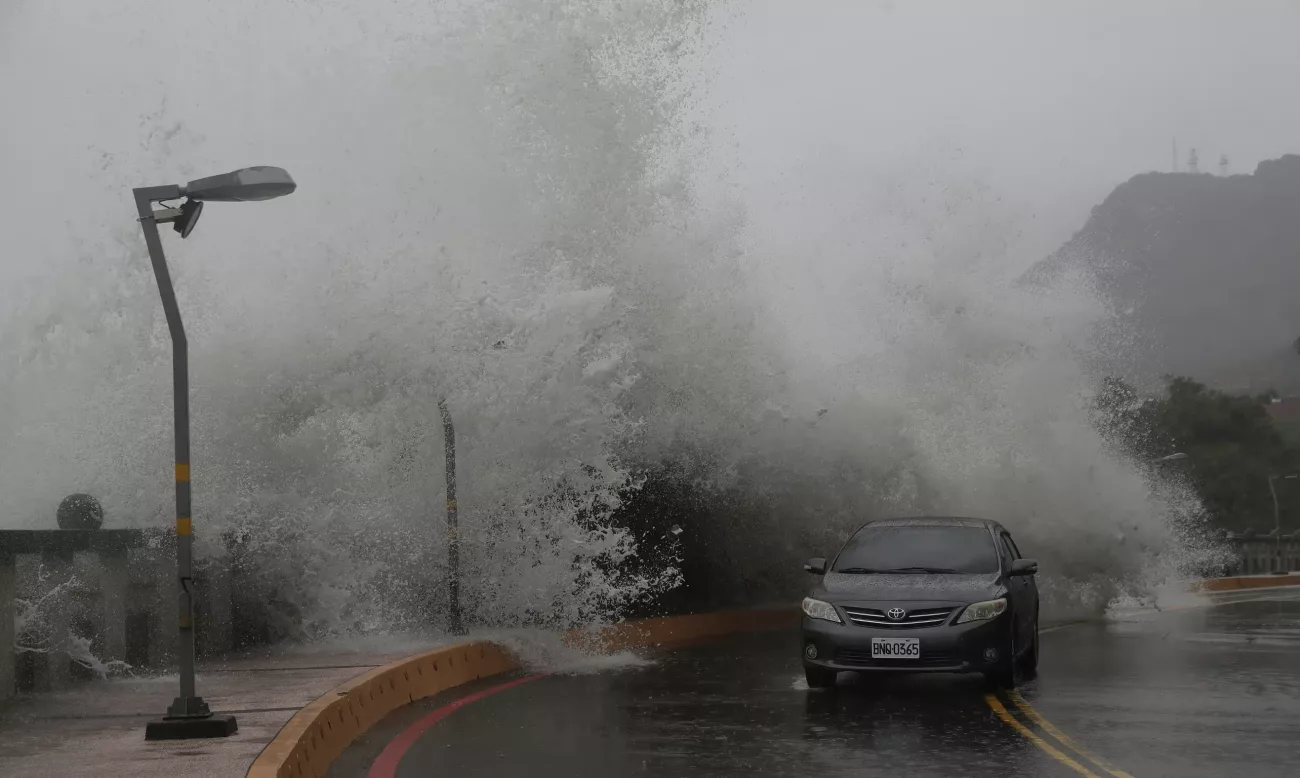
(1020, 588)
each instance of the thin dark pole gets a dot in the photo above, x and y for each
(455, 617)
(1277, 527)
(188, 704)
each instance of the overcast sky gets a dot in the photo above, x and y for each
(1050, 103)
(1053, 103)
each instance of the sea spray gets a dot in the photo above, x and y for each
(515, 206)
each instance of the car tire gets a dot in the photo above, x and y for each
(1005, 675)
(1029, 665)
(819, 678)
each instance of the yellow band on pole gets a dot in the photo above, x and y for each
(182, 472)
(182, 525)
(451, 505)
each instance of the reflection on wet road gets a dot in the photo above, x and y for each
(1197, 692)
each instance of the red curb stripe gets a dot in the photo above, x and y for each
(385, 765)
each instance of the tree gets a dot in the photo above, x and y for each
(1232, 447)
(1231, 443)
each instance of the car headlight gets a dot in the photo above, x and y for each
(983, 611)
(816, 609)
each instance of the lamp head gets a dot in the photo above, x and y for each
(245, 185)
(189, 217)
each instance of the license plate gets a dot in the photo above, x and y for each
(895, 648)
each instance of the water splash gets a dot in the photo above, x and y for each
(514, 205)
(46, 621)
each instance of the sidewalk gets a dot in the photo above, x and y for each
(97, 730)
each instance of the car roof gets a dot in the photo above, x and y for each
(934, 521)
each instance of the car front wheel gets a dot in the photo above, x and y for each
(1005, 675)
(1029, 665)
(819, 678)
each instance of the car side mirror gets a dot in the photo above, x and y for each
(1023, 567)
(816, 566)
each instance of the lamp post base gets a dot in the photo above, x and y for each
(216, 725)
(190, 718)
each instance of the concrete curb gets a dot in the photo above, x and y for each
(309, 742)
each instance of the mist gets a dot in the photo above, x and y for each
(777, 247)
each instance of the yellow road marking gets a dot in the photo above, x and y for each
(1048, 748)
(1061, 737)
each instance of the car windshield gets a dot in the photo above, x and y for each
(919, 550)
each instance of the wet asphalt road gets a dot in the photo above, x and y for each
(1187, 693)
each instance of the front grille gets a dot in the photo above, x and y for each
(861, 657)
(921, 617)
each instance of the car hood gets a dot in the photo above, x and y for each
(926, 587)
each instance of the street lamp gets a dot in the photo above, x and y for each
(1277, 522)
(189, 716)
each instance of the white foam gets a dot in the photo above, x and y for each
(544, 177)
(546, 652)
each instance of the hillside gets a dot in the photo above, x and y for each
(1205, 271)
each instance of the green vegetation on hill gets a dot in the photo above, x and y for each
(1231, 443)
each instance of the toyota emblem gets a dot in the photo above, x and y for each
(896, 614)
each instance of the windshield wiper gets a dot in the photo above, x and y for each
(860, 570)
(920, 570)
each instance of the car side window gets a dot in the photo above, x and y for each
(1013, 553)
(1014, 548)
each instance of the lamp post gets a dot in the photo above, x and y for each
(1277, 522)
(189, 716)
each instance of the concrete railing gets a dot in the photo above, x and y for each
(63, 578)
(84, 602)
(1264, 553)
